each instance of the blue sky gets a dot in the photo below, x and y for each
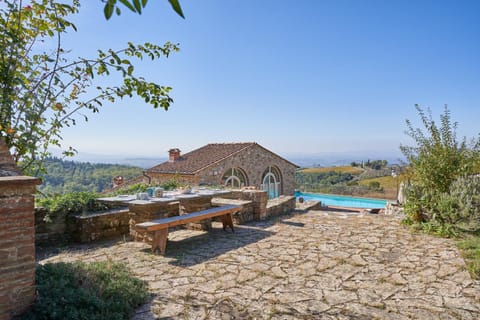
(298, 77)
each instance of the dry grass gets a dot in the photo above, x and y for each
(388, 183)
(342, 169)
(471, 252)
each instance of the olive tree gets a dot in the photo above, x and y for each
(43, 89)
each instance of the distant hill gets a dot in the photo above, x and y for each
(68, 176)
(342, 169)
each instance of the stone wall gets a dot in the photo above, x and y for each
(17, 238)
(259, 201)
(244, 215)
(49, 232)
(100, 226)
(280, 206)
(308, 205)
(82, 228)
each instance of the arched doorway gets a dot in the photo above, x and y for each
(235, 178)
(272, 182)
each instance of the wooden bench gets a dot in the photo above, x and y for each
(159, 227)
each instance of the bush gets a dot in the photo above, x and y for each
(131, 189)
(439, 158)
(458, 208)
(171, 184)
(98, 290)
(142, 187)
(461, 206)
(415, 209)
(441, 170)
(375, 186)
(72, 203)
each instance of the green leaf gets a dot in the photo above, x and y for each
(138, 6)
(127, 4)
(108, 9)
(176, 6)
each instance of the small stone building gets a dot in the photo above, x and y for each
(234, 165)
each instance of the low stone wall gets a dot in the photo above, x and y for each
(49, 232)
(244, 215)
(309, 205)
(259, 199)
(82, 228)
(280, 206)
(100, 226)
(117, 222)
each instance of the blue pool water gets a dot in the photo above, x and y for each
(343, 201)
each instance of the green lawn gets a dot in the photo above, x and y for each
(470, 247)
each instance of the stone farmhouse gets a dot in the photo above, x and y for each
(233, 165)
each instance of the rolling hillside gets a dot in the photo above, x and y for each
(342, 169)
(69, 176)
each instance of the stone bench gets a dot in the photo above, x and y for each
(159, 227)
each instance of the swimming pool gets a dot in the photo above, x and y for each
(343, 201)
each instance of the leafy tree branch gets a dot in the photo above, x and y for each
(135, 6)
(42, 90)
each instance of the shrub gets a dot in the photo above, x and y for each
(131, 189)
(171, 184)
(375, 185)
(461, 205)
(98, 290)
(438, 162)
(72, 203)
(142, 187)
(415, 209)
(438, 158)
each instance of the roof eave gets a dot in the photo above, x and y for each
(169, 172)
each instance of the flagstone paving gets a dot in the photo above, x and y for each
(315, 265)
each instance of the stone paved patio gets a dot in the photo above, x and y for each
(316, 265)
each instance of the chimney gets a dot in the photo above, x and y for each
(174, 154)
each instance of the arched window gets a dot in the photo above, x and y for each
(235, 178)
(272, 182)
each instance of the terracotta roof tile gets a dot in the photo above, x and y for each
(201, 158)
